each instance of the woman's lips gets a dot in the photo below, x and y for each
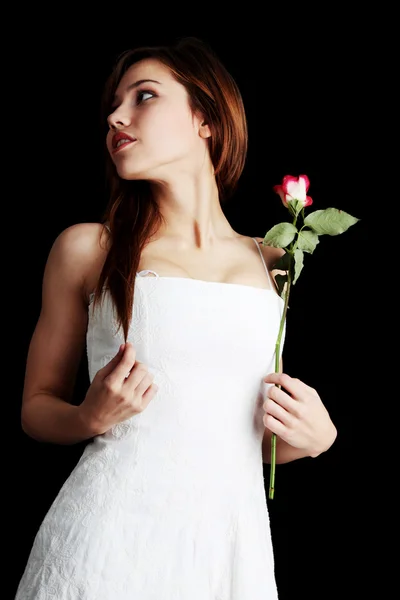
(122, 146)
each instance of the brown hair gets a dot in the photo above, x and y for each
(132, 212)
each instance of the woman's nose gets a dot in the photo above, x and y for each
(119, 118)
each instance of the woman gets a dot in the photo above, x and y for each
(180, 315)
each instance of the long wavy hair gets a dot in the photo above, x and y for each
(132, 213)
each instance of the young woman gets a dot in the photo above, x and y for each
(179, 315)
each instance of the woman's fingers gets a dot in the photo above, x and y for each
(296, 388)
(277, 411)
(111, 365)
(283, 399)
(121, 369)
(143, 384)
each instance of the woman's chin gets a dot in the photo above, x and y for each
(129, 174)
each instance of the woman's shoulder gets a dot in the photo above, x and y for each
(82, 237)
(270, 254)
(81, 242)
(78, 253)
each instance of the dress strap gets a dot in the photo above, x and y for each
(146, 272)
(272, 286)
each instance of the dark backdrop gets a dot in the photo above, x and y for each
(301, 95)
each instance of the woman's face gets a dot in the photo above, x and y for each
(153, 132)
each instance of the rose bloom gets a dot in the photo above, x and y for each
(294, 188)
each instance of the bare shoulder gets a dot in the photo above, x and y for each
(81, 238)
(271, 255)
(78, 254)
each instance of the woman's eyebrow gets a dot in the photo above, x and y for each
(139, 82)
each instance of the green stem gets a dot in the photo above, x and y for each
(277, 369)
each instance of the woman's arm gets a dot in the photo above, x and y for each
(59, 338)
(297, 415)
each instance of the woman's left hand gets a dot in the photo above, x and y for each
(297, 415)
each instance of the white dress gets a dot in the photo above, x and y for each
(171, 504)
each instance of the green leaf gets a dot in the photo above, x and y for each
(295, 207)
(280, 282)
(307, 240)
(280, 235)
(283, 262)
(298, 264)
(330, 221)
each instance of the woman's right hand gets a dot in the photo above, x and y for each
(121, 389)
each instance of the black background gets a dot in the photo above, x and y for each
(301, 83)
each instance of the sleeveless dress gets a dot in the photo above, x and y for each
(170, 504)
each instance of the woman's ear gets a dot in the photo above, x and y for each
(204, 130)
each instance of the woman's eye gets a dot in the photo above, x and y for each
(143, 96)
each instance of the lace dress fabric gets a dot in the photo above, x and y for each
(171, 504)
